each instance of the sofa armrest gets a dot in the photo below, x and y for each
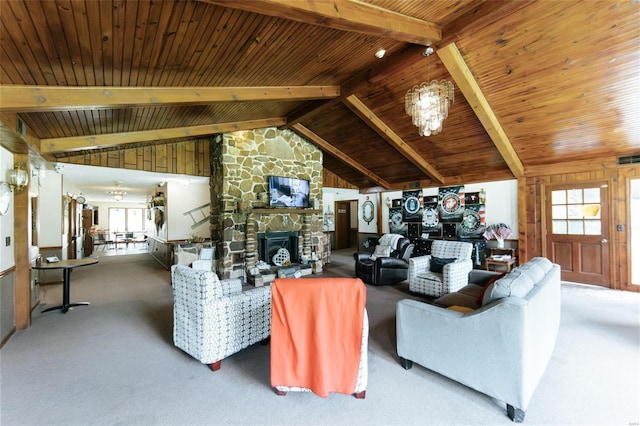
(418, 265)
(483, 349)
(231, 286)
(391, 262)
(456, 275)
(361, 256)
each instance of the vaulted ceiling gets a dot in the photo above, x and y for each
(537, 83)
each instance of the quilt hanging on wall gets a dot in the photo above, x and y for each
(431, 218)
(396, 226)
(473, 222)
(451, 203)
(412, 206)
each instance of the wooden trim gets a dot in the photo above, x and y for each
(8, 271)
(17, 98)
(361, 110)
(353, 16)
(7, 337)
(326, 146)
(457, 67)
(77, 143)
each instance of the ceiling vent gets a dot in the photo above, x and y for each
(21, 128)
(629, 159)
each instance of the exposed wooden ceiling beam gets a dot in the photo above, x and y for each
(56, 98)
(478, 16)
(373, 121)
(363, 79)
(345, 15)
(457, 67)
(78, 143)
(326, 146)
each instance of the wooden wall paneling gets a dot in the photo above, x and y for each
(147, 158)
(623, 217)
(113, 159)
(180, 157)
(161, 158)
(21, 247)
(130, 159)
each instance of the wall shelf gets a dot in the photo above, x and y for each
(286, 211)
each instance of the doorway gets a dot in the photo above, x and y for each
(578, 231)
(345, 237)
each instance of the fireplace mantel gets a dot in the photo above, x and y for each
(285, 210)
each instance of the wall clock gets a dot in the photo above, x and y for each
(367, 211)
(5, 198)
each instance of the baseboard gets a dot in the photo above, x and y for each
(7, 337)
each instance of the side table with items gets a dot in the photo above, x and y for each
(501, 258)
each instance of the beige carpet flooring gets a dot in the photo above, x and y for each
(113, 362)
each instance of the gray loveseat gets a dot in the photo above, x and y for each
(501, 346)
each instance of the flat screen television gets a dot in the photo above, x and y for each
(288, 192)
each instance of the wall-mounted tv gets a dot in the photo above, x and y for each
(288, 192)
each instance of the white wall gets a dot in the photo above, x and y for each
(186, 206)
(7, 259)
(50, 210)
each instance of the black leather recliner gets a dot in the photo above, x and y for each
(385, 270)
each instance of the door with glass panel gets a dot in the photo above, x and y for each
(578, 232)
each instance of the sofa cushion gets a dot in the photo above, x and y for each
(437, 263)
(535, 272)
(467, 296)
(380, 251)
(515, 283)
(542, 262)
(487, 285)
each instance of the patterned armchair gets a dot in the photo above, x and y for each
(445, 271)
(214, 319)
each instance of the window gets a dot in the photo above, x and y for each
(576, 211)
(126, 219)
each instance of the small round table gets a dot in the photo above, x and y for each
(66, 266)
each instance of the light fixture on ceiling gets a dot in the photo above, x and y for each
(80, 199)
(428, 104)
(18, 178)
(380, 53)
(117, 194)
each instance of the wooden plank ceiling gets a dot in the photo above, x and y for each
(536, 82)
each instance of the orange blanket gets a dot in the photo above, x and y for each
(316, 333)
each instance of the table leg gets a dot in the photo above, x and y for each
(66, 274)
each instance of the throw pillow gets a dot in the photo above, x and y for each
(462, 309)
(436, 264)
(486, 286)
(380, 251)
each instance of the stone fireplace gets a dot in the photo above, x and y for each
(241, 163)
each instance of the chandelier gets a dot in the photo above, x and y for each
(428, 104)
(118, 194)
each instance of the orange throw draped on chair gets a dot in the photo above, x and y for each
(316, 333)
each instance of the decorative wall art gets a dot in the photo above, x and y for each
(449, 230)
(473, 221)
(431, 219)
(451, 203)
(396, 226)
(368, 211)
(412, 206)
(413, 230)
(472, 198)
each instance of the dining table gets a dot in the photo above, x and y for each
(66, 266)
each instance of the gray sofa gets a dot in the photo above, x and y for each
(500, 346)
